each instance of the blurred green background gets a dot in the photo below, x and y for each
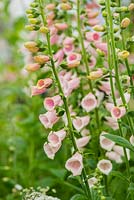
(23, 163)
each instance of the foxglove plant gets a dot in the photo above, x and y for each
(88, 93)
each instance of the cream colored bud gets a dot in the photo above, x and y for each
(31, 46)
(32, 67)
(125, 22)
(123, 54)
(95, 74)
(42, 59)
(131, 7)
(44, 29)
(99, 28)
(34, 21)
(65, 6)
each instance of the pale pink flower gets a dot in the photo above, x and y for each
(92, 62)
(44, 83)
(75, 164)
(93, 21)
(69, 82)
(105, 166)
(92, 181)
(89, 102)
(36, 91)
(92, 36)
(51, 102)
(50, 6)
(73, 59)
(112, 155)
(102, 46)
(118, 149)
(132, 140)
(41, 86)
(56, 137)
(112, 123)
(127, 98)
(50, 150)
(105, 87)
(118, 112)
(80, 122)
(48, 119)
(58, 57)
(54, 39)
(92, 14)
(106, 143)
(61, 26)
(83, 141)
(68, 45)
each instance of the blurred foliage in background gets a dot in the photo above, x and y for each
(22, 160)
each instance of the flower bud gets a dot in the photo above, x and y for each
(95, 74)
(131, 7)
(104, 13)
(125, 22)
(121, 9)
(34, 5)
(32, 67)
(44, 29)
(65, 6)
(34, 21)
(29, 27)
(123, 54)
(31, 46)
(100, 52)
(42, 59)
(50, 6)
(99, 28)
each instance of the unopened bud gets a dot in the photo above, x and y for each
(32, 67)
(42, 59)
(121, 9)
(100, 52)
(99, 28)
(131, 7)
(31, 46)
(50, 6)
(95, 74)
(65, 6)
(125, 22)
(34, 5)
(44, 29)
(123, 54)
(34, 21)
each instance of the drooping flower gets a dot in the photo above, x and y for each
(105, 166)
(106, 143)
(51, 102)
(50, 150)
(82, 142)
(112, 155)
(92, 181)
(73, 60)
(80, 122)
(75, 164)
(49, 119)
(89, 102)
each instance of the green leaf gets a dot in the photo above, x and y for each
(120, 141)
(78, 197)
(119, 175)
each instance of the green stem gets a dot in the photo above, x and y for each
(70, 125)
(124, 47)
(110, 62)
(84, 55)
